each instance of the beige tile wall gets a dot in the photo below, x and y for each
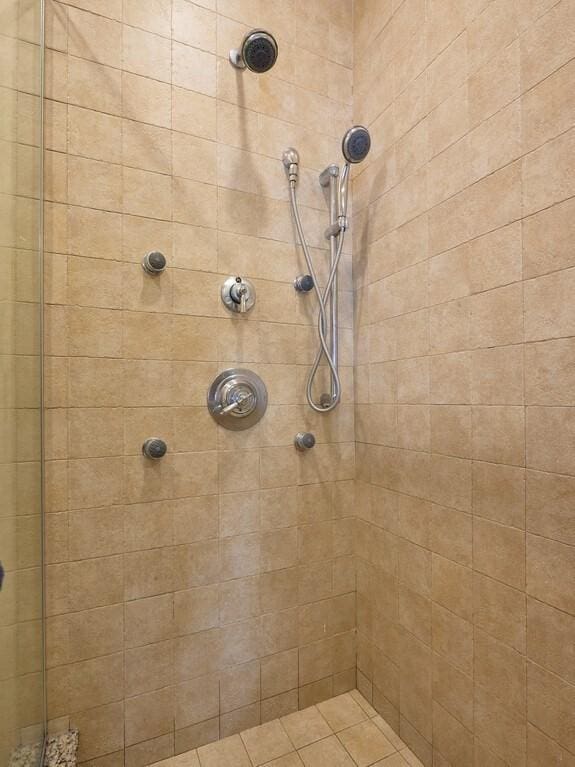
(21, 685)
(195, 597)
(464, 270)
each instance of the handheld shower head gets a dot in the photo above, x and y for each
(355, 147)
(356, 144)
(258, 52)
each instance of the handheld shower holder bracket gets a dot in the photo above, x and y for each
(332, 171)
(333, 230)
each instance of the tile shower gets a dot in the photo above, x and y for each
(193, 597)
(423, 550)
(464, 370)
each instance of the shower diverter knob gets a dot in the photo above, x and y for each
(237, 399)
(238, 294)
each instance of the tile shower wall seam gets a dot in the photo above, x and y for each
(155, 34)
(21, 656)
(491, 173)
(476, 183)
(525, 678)
(94, 12)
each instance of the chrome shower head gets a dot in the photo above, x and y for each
(355, 147)
(258, 52)
(356, 144)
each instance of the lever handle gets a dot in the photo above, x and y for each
(234, 405)
(243, 291)
(238, 294)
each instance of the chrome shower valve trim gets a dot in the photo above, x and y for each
(237, 399)
(238, 294)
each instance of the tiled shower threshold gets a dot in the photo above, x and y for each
(340, 732)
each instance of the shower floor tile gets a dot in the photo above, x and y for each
(341, 732)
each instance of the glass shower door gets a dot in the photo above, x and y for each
(22, 709)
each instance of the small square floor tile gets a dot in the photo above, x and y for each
(326, 753)
(229, 752)
(389, 732)
(266, 742)
(289, 760)
(366, 743)
(341, 732)
(363, 703)
(411, 758)
(306, 726)
(341, 712)
(395, 760)
(187, 759)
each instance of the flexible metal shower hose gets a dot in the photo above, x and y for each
(322, 318)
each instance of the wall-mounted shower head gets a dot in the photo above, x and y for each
(258, 52)
(356, 144)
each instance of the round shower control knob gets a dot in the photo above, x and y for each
(237, 399)
(154, 262)
(303, 283)
(154, 448)
(304, 440)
